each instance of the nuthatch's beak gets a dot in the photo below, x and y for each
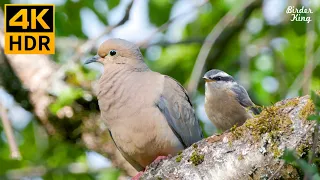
(92, 59)
(207, 79)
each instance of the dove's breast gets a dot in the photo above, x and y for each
(127, 101)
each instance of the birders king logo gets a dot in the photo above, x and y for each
(299, 14)
(29, 29)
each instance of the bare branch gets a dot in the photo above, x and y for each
(89, 44)
(307, 72)
(144, 44)
(166, 43)
(300, 79)
(212, 38)
(15, 153)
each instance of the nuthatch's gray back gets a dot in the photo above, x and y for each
(226, 102)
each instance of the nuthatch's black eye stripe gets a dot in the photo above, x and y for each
(220, 78)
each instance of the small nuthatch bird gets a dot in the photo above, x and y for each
(226, 102)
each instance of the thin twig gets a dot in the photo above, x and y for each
(144, 44)
(166, 43)
(89, 44)
(311, 36)
(210, 40)
(300, 79)
(15, 153)
(294, 147)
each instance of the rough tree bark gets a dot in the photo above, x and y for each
(250, 151)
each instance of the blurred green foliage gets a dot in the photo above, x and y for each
(259, 55)
(65, 98)
(157, 7)
(290, 157)
(47, 157)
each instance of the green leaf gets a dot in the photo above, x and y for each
(3, 2)
(306, 167)
(66, 97)
(7, 164)
(316, 100)
(159, 11)
(112, 3)
(299, 27)
(314, 117)
(289, 156)
(67, 19)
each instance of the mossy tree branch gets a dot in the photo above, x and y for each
(251, 151)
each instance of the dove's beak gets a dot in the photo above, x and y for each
(92, 59)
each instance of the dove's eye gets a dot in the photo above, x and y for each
(113, 52)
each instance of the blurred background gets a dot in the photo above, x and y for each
(51, 103)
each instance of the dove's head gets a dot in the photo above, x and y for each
(117, 51)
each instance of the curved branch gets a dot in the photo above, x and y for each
(90, 43)
(216, 35)
(166, 43)
(145, 43)
(15, 153)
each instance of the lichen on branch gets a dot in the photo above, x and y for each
(251, 151)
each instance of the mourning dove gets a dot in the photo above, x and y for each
(148, 114)
(226, 102)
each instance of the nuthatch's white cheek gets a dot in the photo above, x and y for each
(207, 88)
(213, 86)
(205, 99)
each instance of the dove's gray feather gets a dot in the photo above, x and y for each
(174, 103)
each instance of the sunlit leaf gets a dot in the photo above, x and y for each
(66, 97)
